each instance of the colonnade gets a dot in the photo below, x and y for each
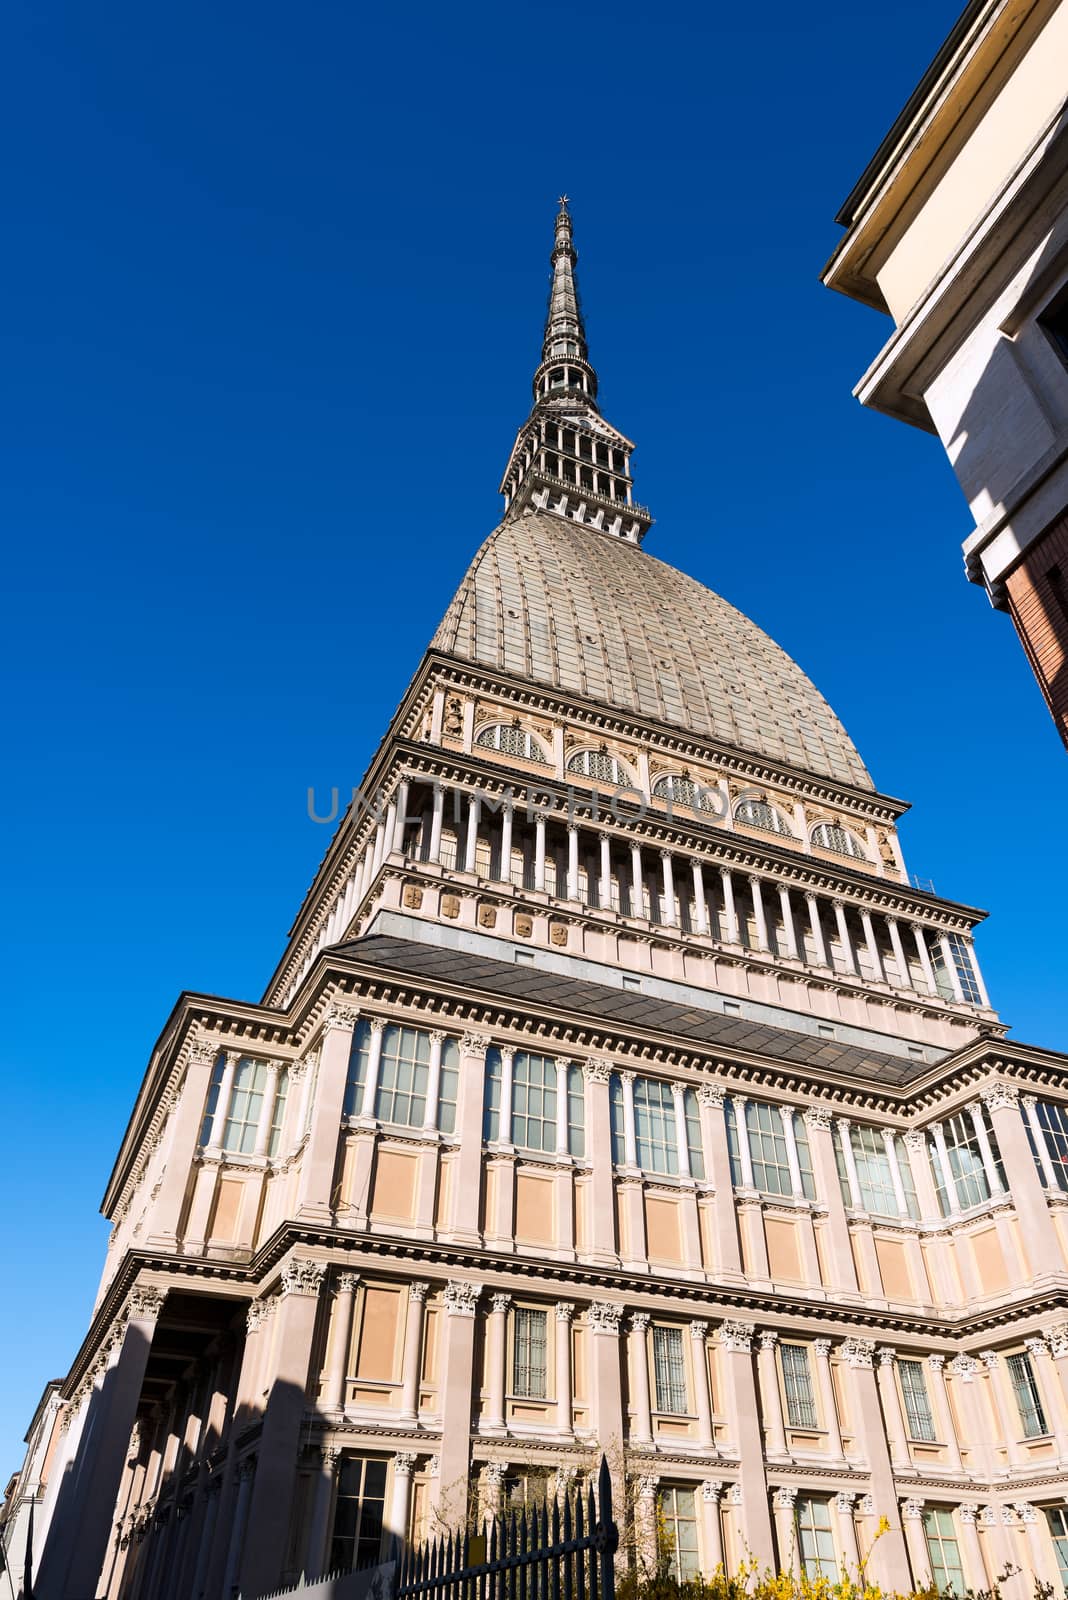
(602, 870)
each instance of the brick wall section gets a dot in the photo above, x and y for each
(1038, 601)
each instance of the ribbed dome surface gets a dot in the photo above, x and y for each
(576, 610)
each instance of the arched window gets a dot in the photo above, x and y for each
(599, 765)
(511, 740)
(830, 836)
(759, 814)
(684, 792)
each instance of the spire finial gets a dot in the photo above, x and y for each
(567, 461)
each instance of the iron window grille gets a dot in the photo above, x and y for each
(1028, 1399)
(830, 836)
(529, 1376)
(797, 1384)
(670, 1370)
(918, 1415)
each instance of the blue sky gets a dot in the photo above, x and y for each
(274, 286)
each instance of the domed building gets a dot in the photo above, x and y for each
(616, 1089)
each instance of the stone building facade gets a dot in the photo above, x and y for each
(958, 228)
(617, 1089)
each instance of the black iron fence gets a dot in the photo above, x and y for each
(561, 1550)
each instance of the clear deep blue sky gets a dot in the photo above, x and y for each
(275, 279)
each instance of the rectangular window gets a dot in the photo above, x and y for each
(815, 1540)
(965, 1161)
(358, 1515)
(962, 961)
(1054, 1122)
(403, 1071)
(670, 1370)
(448, 1085)
(918, 1415)
(213, 1098)
(678, 1532)
(654, 1126)
(533, 1101)
(246, 1104)
(1057, 1517)
(693, 1133)
(797, 1382)
(576, 1112)
(942, 1548)
(1028, 1399)
(528, 1361)
(616, 1115)
(359, 1052)
(278, 1115)
(767, 1148)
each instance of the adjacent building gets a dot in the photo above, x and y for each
(958, 229)
(616, 1089)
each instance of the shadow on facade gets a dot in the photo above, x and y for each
(1006, 433)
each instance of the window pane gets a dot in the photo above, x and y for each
(942, 1547)
(615, 1108)
(678, 1531)
(533, 1101)
(357, 1075)
(576, 1112)
(403, 1070)
(654, 1126)
(278, 1115)
(358, 1515)
(815, 1539)
(448, 1086)
(246, 1103)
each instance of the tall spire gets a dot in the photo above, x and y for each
(565, 334)
(567, 460)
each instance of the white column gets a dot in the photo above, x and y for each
(787, 1115)
(572, 861)
(379, 850)
(730, 910)
(936, 1366)
(890, 1141)
(758, 913)
(925, 956)
(539, 851)
(702, 1396)
(895, 1418)
(847, 1529)
(403, 1465)
(474, 812)
(668, 913)
(604, 892)
(374, 1057)
(222, 1104)
(504, 871)
(496, 1342)
(399, 829)
(904, 980)
(433, 1080)
(951, 968)
(1038, 1133)
(944, 1167)
(711, 1490)
(641, 1428)
(562, 1065)
(843, 935)
(852, 1176)
(336, 1384)
(504, 1118)
(699, 903)
(744, 1153)
(975, 1111)
(238, 1523)
(874, 958)
(637, 882)
(270, 1091)
(681, 1140)
(814, 922)
(789, 931)
(411, 1360)
(630, 1142)
(916, 1542)
(821, 1349)
(564, 1312)
(436, 820)
(768, 1372)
